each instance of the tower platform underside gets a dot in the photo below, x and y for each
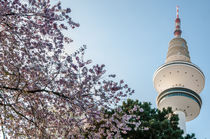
(180, 99)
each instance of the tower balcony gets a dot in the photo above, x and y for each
(179, 74)
(180, 99)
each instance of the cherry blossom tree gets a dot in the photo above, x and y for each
(45, 92)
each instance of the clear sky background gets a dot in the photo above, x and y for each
(131, 38)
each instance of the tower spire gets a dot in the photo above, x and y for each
(177, 11)
(177, 32)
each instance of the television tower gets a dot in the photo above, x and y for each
(178, 81)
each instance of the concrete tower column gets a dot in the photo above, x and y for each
(182, 120)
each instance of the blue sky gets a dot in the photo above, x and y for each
(131, 38)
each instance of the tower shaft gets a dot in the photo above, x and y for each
(182, 120)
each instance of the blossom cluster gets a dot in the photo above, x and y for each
(116, 123)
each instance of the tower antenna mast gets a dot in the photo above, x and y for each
(177, 11)
(177, 32)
